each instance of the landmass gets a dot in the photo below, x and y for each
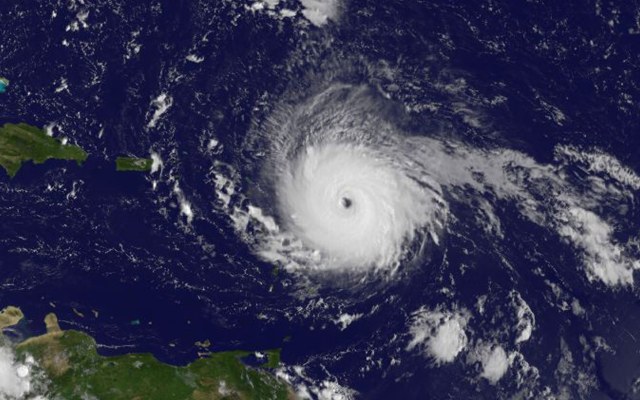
(10, 316)
(22, 142)
(273, 358)
(4, 82)
(133, 164)
(74, 370)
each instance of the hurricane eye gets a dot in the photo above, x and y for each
(346, 202)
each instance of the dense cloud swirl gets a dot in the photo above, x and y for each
(346, 191)
(352, 205)
(356, 192)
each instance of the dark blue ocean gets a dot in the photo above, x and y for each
(116, 248)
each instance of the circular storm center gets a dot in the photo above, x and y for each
(346, 202)
(343, 202)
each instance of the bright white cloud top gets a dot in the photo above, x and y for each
(17, 378)
(439, 334)
(320, 11)
(495, 363)
(338, 186)
(343, 201)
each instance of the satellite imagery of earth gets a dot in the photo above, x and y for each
(319, 199)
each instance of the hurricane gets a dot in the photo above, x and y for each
(344, 185)
(348, 191)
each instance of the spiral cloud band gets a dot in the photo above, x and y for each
(351, 205)
(338, 186)
(346, 195)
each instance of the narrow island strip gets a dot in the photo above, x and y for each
(20, 143)
(74, 370)
(133, 164)
(4, 82)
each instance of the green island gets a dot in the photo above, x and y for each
(133, 164)
(75, 370)
(4, 82)
(22, 142)
(273, 359)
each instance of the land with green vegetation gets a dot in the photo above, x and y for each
(76, 371)
(133, 164)
(20, 143)
(273, 359)
(4, 82)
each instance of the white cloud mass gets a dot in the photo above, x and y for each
(16, 377)
(439, 334)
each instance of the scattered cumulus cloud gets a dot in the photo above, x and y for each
(604, 259)
(160, 105)
(599, 162)
(344, 320)
(526, 318)
(185, 205)
(156, 163)
(308, 389)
